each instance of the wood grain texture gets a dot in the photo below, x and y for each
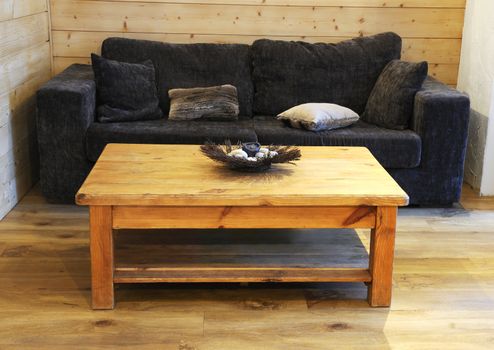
(21, 66)
(6, 9)
(24, 8)
(471, 199)
(102, 256)
(18, 169)
(16, 103)
(325, 3)
(381, 255)
(442, 298)
(443, 282)
(61, 63)
(192, 249)
(23, 33)
(179, 175)
(258, 274)
(431, 30)
(101, 243)
(134, 200)
(290, 20)
(241, 217)
(25, 63)
(447, 73)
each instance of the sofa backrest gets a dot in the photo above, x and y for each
(286, 74)
(189, 65)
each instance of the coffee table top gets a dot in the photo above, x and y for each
(179, 175)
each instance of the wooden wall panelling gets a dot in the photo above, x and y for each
(22, 33)
(431, 30)
(25, 63)
(18, 169)
(447, 73)
(60, 63)
(167, 17)
(6, 9)
(326, 3)
(28, 7)
(16, 108)
(23, 66)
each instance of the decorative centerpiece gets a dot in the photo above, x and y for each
(251, 156)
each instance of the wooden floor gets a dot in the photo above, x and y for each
(443, 288)
(471, 200)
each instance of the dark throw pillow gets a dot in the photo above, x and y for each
(126, 91)
(212, 103)
(390, 103)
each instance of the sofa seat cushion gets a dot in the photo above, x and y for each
(165, 131)
(392, 148)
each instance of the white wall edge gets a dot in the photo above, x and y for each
(487, 186)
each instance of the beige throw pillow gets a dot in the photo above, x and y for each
(319, 116)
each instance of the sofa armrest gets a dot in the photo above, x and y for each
(65, 108)
(441, 117)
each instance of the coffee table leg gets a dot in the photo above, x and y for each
(101, 242)
(381, 257)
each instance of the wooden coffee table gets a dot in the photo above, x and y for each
(175, 186)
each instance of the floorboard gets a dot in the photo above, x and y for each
(443, 296)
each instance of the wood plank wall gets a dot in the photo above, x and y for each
(431, 30)
(25, 63)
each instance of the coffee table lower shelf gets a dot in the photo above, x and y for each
(222, 275)
(108, 268)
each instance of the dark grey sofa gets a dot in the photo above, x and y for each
(426, 160)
